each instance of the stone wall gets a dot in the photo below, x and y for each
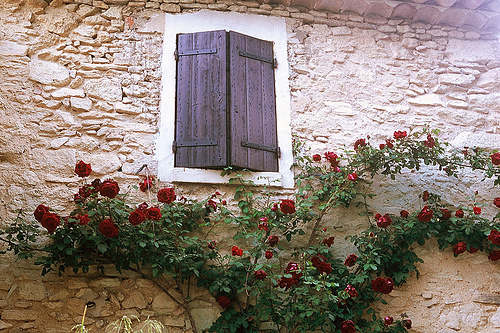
(81, 79)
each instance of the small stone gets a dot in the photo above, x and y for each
(19, 315)
(80, 104)
(67, 92)
(426, 100)
(4, 325)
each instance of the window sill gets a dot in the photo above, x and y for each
(189, 175)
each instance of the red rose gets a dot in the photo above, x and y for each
(273, 240)
(359, 143)
(388, 321)
(291, 269)
(268, 254)
(353, 177)
(495, 158)
(316, 157)
(472, 249)
(212, 244)
(82, 169)
(399, 135)
(137, 217)
(388, 143)
(108, 228)
(496, 202)
(275, 207)
(224, 301)
(459, 213)
(263, 226)
(430, 142)
(425, 196)
(331, 157)
(351, 260)
(50, 221)
(212, 205)
(381, 146)
(329, 241)
(347, 326)
(287, 206)
(404, 214)
(351, 291)
(153, 213)
(236, 251)
(40, 211)
(384, 221)
(494, 255)
(109, 188)
(459, 248)
(385, 286)
(84, 219)
(494, 237)
(446, 213)
(146, 184)
(321, 265)
(143, 206)
(260, 274)
(407, 323)
(263, 219)
(476, 210)
(166, 195)
(425, 214)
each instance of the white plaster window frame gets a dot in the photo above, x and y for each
(262, 27)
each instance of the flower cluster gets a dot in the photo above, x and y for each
(385, 286)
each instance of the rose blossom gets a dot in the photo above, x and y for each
(430, 142)
(385, 286)
(82, 169)
(166, 195)
(331, 157)
(273, 240)
(425, 196)
(40, 211)
(212, 205)
(384, 221)
(153, 213)
(404, 214)
(459, 248)
(146, 184)
(476, 210)
(263, 226)
(400, 135)
(459, 213)
(212, 245)
(472, 249)
(260, 274)
(236, 251)
(347, 326)
(446, 213)
(353, 177)
(351, 291)
(268, 254)
(50, 221)
(84, 219)
(496, 202)
(108, 228)
(495, 158)
(287, 282)
(329, 241)
(351, 260)
(494, 255)
(275, 207)
(425, 214)
(359, 143)
(321, 265)
(223, 301)
(109, 188)
(316, 157)
(388, 321)
(287, 206)
(137, 217)
(407, 323)
(494, 237)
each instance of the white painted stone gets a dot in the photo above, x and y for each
(57, 143)
(426, 100)
(13, 49)
(341, 31)
(86, 31)
(127, 109)
(476, 139)
(47, 72)
(490, 80)
(105, 89)
(450, 320)
(103, 164)
(67, 92)
(113, 13)
(458, 104)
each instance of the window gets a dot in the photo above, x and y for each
(225, 99)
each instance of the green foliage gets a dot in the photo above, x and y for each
(255, 283)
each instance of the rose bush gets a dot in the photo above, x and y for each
(314, 290)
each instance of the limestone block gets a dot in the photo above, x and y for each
(47, 72)
(476, 139)
(61, 22)
(426, 100)
(135, 300)
(19, 315)
(59, 296)
(162, 304)
(86, 10)
(127, 109)
(113, 13)
(58, 143)
(81, 104)
(4, 325)
(490, 101)
(85, 31)
(204, 317)
(67, 92)
(13, 49)
(32, 291)
(490, 80)
(103, 164)
(96, 20)
(462, 80)
(104, 88)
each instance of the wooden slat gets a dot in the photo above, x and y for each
(201, 100)
(253, 109)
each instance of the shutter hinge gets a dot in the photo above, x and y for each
(256, 57)
(257, 146)
(176, 55)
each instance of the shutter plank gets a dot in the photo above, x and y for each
(201, 100)
(253, 112)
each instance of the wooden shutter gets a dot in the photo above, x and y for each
(200, 131)
(253, 134)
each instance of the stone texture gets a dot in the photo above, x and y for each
(106, 89)
(47, 72)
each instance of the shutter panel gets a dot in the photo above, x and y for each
(200, 132)
(253, 134)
